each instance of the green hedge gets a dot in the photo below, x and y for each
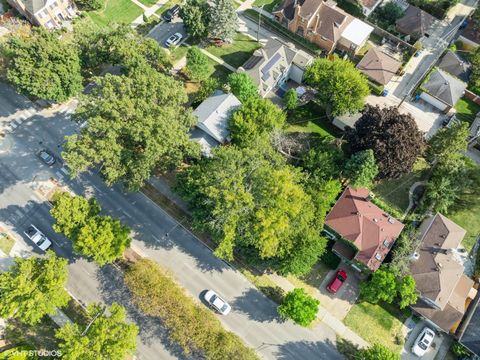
(276, 27)
(385, 207)
(376, 89)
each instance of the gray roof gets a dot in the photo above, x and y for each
(32, 6)
(415, 22)
(378, 66)
(454, 65)
(471, 333)
(213, 114)
(268, 63)
(445, 87)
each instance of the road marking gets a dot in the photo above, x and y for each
(64, 170)
(18, 212)
(59, 175)
(29, 122)
(130, 216)
(19, 121)
(13, 125)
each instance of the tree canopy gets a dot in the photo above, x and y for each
(198, 67)
(249, 198)
(290, 99)
(341, 87)
(100, 237)
(223, 20)
(377, 352)
(448, 143)
(43, 65)
(257, 117)
(33, 288)
(361, 169)
(299, 306)
(108, 337)
(242, 86)
(89, 5)
(195, 16)
(136, 122)
(394, 138)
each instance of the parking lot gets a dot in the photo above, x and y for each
(165, 29)
(440, 342)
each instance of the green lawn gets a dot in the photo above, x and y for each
(119, 11)
(377, 323)
(177, 53)
(466, 110)
(311, 118)
(148, 3)
(237, 52)
(6, 243)
(268, 5)
(219, 71)
(394, 192)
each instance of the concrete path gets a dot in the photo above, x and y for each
(410, 196)
(218, 60)
(148, 11)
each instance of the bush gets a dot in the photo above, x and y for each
(459, 350)
(376, 89)
(193, 327)
(476, 273)
(330, 259)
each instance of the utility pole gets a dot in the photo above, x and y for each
(91, 322)
(259, 18)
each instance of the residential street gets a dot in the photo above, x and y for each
(254, 316)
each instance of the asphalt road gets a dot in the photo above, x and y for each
(253, 316)
(164, 30)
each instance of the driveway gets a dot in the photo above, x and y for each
(164, 30)
(339, 304)
(440, 343)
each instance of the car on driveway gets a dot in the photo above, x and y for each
(173, 40)
(171, 13)
(216, 302)
(38, 237)
(47, 157)
(337, 281)
(423, 341)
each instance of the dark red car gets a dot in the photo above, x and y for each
(337, 281)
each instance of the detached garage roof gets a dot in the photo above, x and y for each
(378, 66)
(445, 87)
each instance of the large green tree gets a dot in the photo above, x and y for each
(89, 5)
(242, 86)
(406, 291)
(361, 169)
(135, 123)
(256, 118)
(394, 138)
(299, 306)
(195, 16)
(223, 20)
(198, 67)
(340, 86)
(33, 288)
(43, 65)
(290, 99)
(381, 287)
(249, 198)
(449, 142)
(107, 336)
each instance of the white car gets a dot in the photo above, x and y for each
(38, 238)
(173, 39)
(423, 341)
(217, 302)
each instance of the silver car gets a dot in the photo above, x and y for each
(46, 157)
(217, 302)
(173, 40)
(423, 341)
(38, 237)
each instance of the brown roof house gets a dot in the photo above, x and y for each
(415, 22)
(368, 6)
(470, 35)
(51, 14)
(366, 232)
(378, 66)
(323, 23)
(437, 268)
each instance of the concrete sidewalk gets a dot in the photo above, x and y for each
(218, 60)
(323, 314)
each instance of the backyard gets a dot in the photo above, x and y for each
(237, 52)
(268, 5)
(395, 192)
(311, 118)
(466, 110)
(118, 11)
(378, 323)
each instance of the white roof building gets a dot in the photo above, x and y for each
(356, 33)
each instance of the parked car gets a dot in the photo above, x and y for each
(171, 13)
(38, 237)
(217, 302)
(47, 157)
(423, 341)
(337, 281)
(173, 40)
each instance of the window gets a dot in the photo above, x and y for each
(378, 256)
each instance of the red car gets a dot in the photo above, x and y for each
(337, 281)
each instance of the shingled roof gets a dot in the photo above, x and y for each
(367, 226)
(378, 66)
(445, 87)
(454, 65)
(415, 22)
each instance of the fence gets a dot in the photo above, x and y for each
(389, 36)
(472, 96)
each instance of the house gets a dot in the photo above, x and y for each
(469, 330)
(442, 90)
(271, 66)
(368, 6)
(436, 266)
(454, 65)
(415, 22)
(366, 232)
(378, 66)
(51, 14)
(212, 126)
(470, 35)
(323, 23)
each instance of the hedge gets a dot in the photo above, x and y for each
(376, 89)
(192, 326)
(276, 27)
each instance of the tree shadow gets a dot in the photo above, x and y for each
(252, 303)
(302, 350)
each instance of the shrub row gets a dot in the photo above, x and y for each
(376, 89)
(193, 327)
